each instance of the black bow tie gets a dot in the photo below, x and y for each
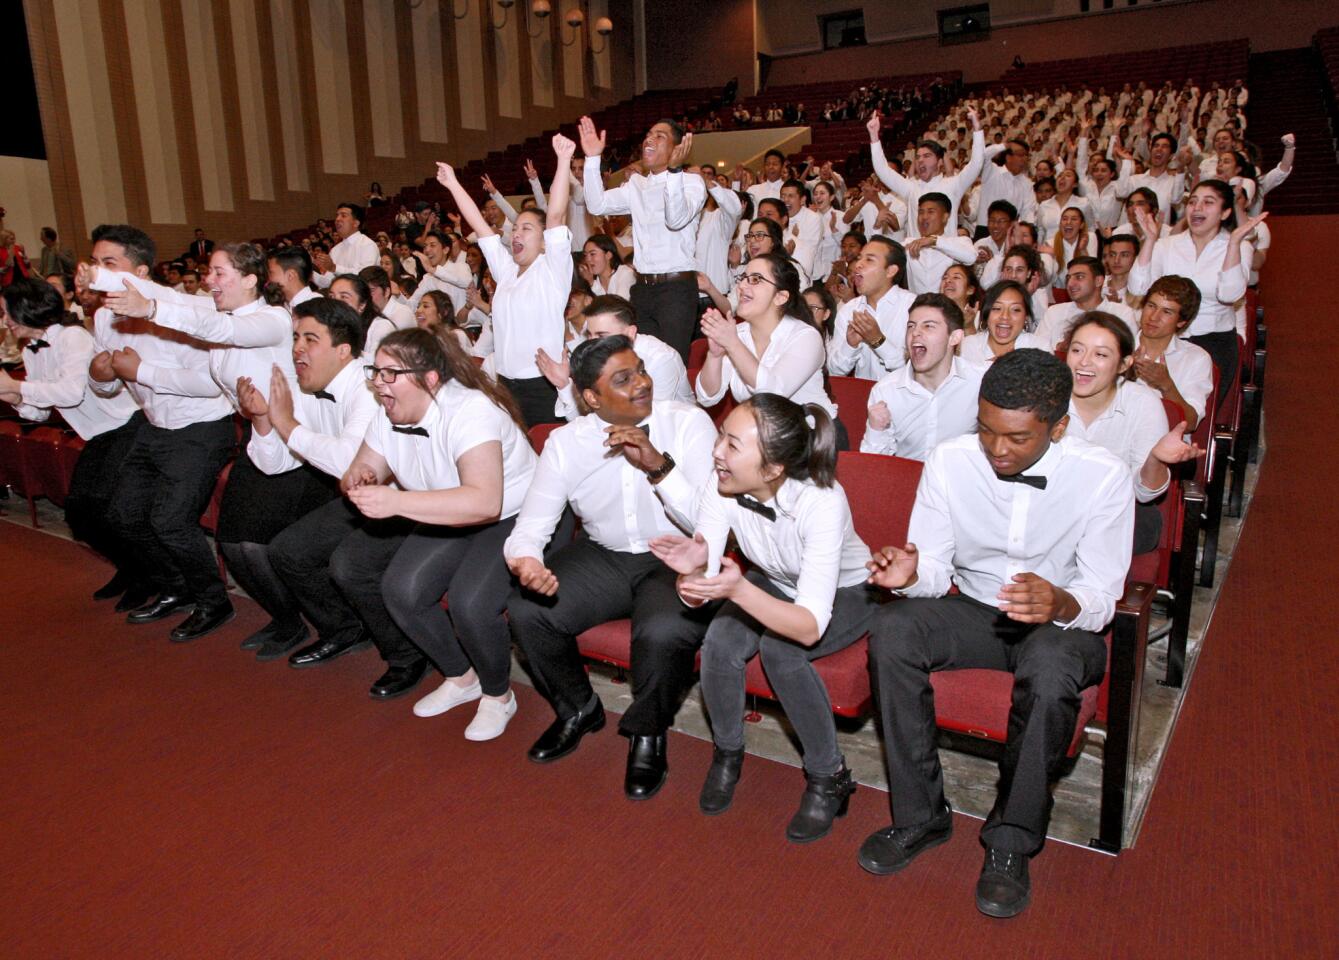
(36, 346)
(1038, 482)
(762, 509)
(412, 431)
(322, 395)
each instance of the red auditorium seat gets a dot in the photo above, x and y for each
(539, 434)
(851, 394)
(697, 353)
(44, 463)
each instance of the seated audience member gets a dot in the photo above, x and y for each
(1072, 239)
(290, 272)
(434, 315)
(631, 470)
(1007, 322)
(610, 316)
(321, 425)
(829, 245)
(1026, 265)
(1178, 369)
(1142, 200)
(933, 397)
(445, 267)
(379, 286)
(823, 306)
(352, 289)
(960, 284)
(805, 596)
(1111, 409)
(1006, 179)
(453, 442)
(1214, 255)
(604, 269)
(1167, 184)
(1083, 283)
(1050, 212)
(867, 340)
(56, 358)
(999, 220)
(806, 229)
(1034, 528)
(1118, 256)
(936, 247)
(775, 348)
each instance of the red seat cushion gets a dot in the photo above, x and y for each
(609, 643)
(976, 702)
(845, 674)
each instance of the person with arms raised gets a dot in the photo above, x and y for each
(929, 171)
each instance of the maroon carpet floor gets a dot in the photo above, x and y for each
(185, 801)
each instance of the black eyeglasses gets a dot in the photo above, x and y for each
(388, 374)
(761, 235)
(753, 279)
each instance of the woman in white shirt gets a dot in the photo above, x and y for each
(1214, 254)
(1066, 195)
(960, 284)
(605, 270)
(434, 315)
(453, 442)
(1006, 321)
(805, 597)
(774, 347)
(1072, 239)
(352, 289)
(534, 279)
(1114, 411)
(830, 241)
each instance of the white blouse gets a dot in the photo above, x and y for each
(792, 366)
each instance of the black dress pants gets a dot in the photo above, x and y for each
(596, 585)
(667, 310)
(165, 483)
(301, 554)
(535, 396)
(911, 638)
(91, 487)
(1223, 349)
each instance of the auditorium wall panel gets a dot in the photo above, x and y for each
(248, 117)
(698, 43)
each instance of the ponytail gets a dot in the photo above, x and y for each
(801, 440)
(822, 457)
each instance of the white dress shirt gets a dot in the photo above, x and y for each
(620, 283)
(976, 348)
(1191, 369)
(869, 214)
(863, 360)
(810, 551)
(911, 189)
(576, 209)
(806, 229)
(618, 507)
(1048, 215)
(921, 419)
(975, 530)
(302, 296)
(765, 190)
(1130, 427)
(528, 308)
(330, 429)
(458, 420)
(351, 254)
(669, 377)
(997, 183)
(56, 376)
(1168, 186)
(792, 366)
(1054, 324)
(715, 231)
(926, 270)
(400, 315)
(174, 386)
(451, 277)
(1219, 289)
(664, 208)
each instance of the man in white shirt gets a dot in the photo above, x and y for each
(169, 474)
(291, 272)
(716, 230)
(1006, 181)
(354, 251)
(928, 174)
(1159, 177)
(769, 187)
(611, 316)
(1181, 371)
(664, 205)
(868, 333)
(1118, 256)
(1000, 219)
(444, 267)
(931, 399)
(877, 213)
(931, 252)
(631, 469)
(806, 225)
(321, 425)
(1084, 278)
(1035, 529)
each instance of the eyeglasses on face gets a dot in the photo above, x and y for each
(388, 374)
(759, 235)
(752, 279)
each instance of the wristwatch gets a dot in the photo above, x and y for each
(662, 471)
(880, 342)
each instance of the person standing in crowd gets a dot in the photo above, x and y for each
(354, 251)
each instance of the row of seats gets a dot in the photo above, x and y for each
(1326, 43)
(1224, 61)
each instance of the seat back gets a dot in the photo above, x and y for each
(851, 395)
(881, 491)
(697, 353)
(539, 434)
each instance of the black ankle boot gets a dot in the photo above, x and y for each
(825, 798)
(719, 788)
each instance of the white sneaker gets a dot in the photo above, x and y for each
(491, 720)
(445, 697)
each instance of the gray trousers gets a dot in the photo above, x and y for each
(732, 640)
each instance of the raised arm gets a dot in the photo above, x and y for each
(599, 201)
(446, 176)
(894, 180)
(556, 215)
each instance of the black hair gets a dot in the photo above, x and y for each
(934, 146)
(441, 353)
(1148, 194)
(1092, 263)
(773, 230)
(296, 259)
(588, 359)
(786, 440)
(774, 152)
(798, 185)
(676, 131)
(940, 199)
(1229, 199)
(896, 256)
(1005, 207)
(1044, 182)
(375, 277)
(36, 304)
(829, 304)
(951, 311)
(355, 211)
(364, 292)
(1111, 164)
(1029, 379)
(780, 207)
(249, 260)
(1028, 255)
(786, 276)
(139, 247)
(1125, 238)
(1163, 136)
(343, 322)
(607, 244)
(613, 305)
(1002, 286)
(440, 236)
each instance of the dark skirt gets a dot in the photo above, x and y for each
(257, 507)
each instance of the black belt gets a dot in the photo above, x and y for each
(666, 277)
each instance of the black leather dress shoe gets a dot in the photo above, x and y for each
(281, 643)
(206, 618)
(164, 606)
(647, 767)
(398, 680)
(136, 596)
(563, 735)
(718, 791)
(324, 650)
(893, 848)
(1004, 889)
(271, 631)
(117, 585)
